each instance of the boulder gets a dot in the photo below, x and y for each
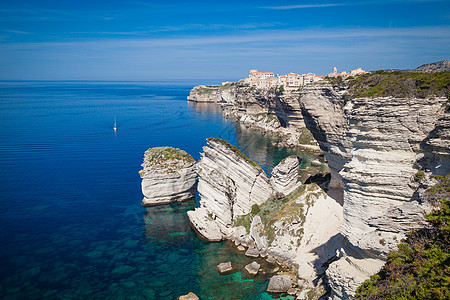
(285, 175)
(279, 284)
(252, 252)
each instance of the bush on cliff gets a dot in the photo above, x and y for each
(420, 268)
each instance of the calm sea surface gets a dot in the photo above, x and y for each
(71, 221)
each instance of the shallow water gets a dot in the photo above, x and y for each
(72, 224)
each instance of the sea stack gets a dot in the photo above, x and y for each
(168, 175)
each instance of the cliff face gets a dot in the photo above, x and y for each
(269, 111)
(374, 147)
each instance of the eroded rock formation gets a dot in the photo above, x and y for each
(168, 175)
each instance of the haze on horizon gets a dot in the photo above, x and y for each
(151, 40)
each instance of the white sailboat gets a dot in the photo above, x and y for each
(115, 125)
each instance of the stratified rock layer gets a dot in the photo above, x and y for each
(168, 175)
(229, 184)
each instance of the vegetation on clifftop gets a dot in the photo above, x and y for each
(159, 155)
(420, 268)
(399, 84)
(165, 160)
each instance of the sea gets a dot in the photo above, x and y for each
(72, 225)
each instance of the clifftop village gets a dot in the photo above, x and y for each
(266, 80)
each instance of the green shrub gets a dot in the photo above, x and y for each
(255, 209)
(419, 175)
(306, 137)
(400, 84)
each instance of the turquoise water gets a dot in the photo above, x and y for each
(72, 225)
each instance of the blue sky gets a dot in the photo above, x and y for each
(148, 40)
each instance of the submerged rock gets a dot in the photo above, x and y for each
(168, 175)
(224, 268)
(279, 284)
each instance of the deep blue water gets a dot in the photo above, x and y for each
(71, 221)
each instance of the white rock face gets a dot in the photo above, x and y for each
(285, 175)
(257, 234)
(350, 271)
(229, 184)
(168, 175)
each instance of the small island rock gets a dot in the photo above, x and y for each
(168, 175)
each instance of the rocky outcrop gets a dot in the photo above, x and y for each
(168, 175)
(229, 185)
(374, 148)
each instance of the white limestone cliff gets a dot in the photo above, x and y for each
(168, 175)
